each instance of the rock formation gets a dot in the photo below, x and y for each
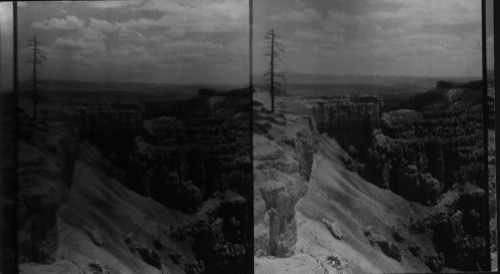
(103, 189)
(282, 167)
(426, 153)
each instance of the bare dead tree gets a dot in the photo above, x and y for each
(274, 79)
(37, 59)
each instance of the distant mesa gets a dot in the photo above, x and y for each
(458, 84)
(206, 92)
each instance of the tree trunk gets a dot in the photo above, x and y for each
(272, 71)
(34, 78)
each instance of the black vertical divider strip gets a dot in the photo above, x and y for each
(250, 48)
(2, 164)
(496, 50)
(485, 123)
(15, 268)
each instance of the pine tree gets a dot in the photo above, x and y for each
(273, 77)
(37, 59)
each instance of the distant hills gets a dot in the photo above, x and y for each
(314, 78)
(65, 85)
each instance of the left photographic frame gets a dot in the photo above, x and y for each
(129, 126)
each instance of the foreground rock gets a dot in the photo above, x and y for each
(283, 158)
(98, 181)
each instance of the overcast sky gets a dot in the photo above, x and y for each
(206, 41)
(167, 41)
(374, 37)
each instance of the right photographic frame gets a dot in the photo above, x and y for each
(374, 136)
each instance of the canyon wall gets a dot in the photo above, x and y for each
(195, 166)
(47, 152)
(427, 151)
(283, 158)
(348, 119)
(418, 152)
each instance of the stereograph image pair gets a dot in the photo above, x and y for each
(236, 136)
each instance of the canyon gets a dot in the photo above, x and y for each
(405, 188)
(106, 188)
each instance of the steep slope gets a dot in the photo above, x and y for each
(104, 191)
(75, 218)
(105, 226)
(341, 196)
(283, 149)
(344, 224)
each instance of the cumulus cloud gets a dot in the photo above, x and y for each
(416, 14)
(6, 47)
(194, 16)
(114, 4)
(167, 39)
(331, 40)
(184, 17)
(307, 15)
(68, 23)
(86, 40)
(102, 25)
(6, 20)
(79, 44)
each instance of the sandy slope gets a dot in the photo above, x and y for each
(97, 218)
(338, 195)
(342, 197)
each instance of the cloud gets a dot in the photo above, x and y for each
(79, 44)
(330, 40)
(87, 40)
(239, 47)
(6, 45)
(165, 6)
(184, 17)
(307, 15)
(102, 25)
(68, 23)
(6, 19)
(114, 4)
(147, 40)
(416, 14)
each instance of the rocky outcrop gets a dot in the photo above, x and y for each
(457, 226)
(111, 126)
(283, 159)
(348, 119)
(150, 256)
(195, 168)
(47, 152)
(181, 162)
(458, 84)
(333, 228)
(420, 155)
(422, 151)
(389, 248)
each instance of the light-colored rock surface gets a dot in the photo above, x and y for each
(282, 164)
(333, 193)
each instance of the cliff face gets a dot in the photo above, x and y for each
(311, 212)
(106, 191)
(419, 155)
(422, 151)
(430, 153)
(47, 152)
(283, 158)
(348, 119)
(111, 126)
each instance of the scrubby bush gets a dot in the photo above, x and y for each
(219, 255)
